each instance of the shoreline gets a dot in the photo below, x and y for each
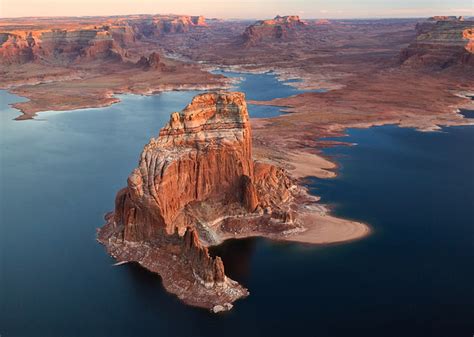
(307, 159)
(106, 100)
(320, 229)
(315, 226)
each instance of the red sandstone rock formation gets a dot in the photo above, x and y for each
(209, 270)
(441, 42)
(280, 28)
(203, 153)
(60, 45)
(195, 184)
(153, 62)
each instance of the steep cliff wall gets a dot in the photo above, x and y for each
(91, 38)
(203, 153)
(62, 46)
(441, 42)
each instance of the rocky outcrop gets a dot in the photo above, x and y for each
(16, 49)
(278, 29)
(152, 62)
(197, 184)
(322, 22)
(441, 42)
(208, 270)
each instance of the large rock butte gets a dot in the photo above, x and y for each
(278, 29)
(197, 184)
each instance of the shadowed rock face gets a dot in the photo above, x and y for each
(441, 42)
(153, 61)
(91, 38)
(280, 28)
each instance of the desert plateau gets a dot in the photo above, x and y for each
(264, 175)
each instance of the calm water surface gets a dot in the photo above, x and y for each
(413, 277)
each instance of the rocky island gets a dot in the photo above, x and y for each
(198, 184)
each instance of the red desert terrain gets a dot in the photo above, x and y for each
(212, 173)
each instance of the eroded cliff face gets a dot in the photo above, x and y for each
(203, 154)
(61, 45)
(197, 184)
(441, 42)
(279, 28)
(90, 39)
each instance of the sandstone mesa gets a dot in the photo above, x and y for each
(279, 28)
(441, 42)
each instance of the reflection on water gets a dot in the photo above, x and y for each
(467, 113)
(237, 266)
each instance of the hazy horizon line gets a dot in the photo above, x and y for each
(234, 18)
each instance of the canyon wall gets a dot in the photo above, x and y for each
(88, 39)
(441, 42)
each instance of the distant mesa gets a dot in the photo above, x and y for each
(446, 18)
(441, 42)
(321, 22)
(277, 29)
(105, 39)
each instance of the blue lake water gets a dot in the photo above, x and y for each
(264, 87)
(467, 113)
(413, 277)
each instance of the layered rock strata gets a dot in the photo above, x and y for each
(197, 184)
(89, 39)
(441, 42)
(59, 44)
